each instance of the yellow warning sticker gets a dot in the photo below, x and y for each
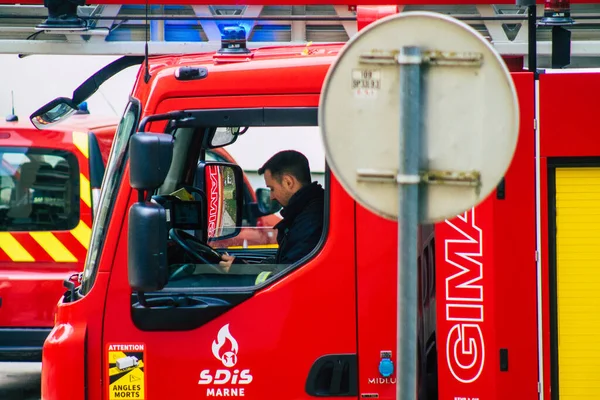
(126, 367)
(183, 194)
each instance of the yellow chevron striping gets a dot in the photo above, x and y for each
(84, 190)
(53, 246)
(82, 233)
(80, 140)
(13, 248)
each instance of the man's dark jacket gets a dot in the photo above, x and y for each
(298, 233)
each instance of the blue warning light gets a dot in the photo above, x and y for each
(233, 40)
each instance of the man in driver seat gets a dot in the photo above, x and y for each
(287, 175)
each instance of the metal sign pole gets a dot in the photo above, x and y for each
(410, 60)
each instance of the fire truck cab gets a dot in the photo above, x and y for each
(174, 291)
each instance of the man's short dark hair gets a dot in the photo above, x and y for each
(288, 162)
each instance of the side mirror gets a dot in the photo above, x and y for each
(150, 156)
(53, 112)
(266, 206)
(222, 183)
(62, 107)
(147, 247)
(224, 137)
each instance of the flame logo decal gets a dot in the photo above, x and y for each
(229, 357)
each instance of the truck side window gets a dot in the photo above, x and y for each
(261, 251)
(39, 190)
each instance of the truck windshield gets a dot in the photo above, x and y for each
(110, 185)
(39, 189)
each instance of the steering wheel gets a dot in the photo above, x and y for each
(196, 249)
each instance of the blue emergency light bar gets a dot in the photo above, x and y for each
(233, 40)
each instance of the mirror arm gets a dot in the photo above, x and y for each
(175, 115)
(91, 85)
(144, 195)
(186, 122)
(142, 299)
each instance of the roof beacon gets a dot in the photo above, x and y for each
(233, 40)
(557, 13)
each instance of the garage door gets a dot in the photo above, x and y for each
(578, 282)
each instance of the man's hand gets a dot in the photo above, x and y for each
(226, 263)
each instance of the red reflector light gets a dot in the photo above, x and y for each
(557, 12)
(557, 6)
(4, 135)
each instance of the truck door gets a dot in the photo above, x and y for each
(289, 336)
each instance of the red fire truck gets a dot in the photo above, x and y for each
(507, 288)
(49, 189)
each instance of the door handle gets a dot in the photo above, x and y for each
(333, 375)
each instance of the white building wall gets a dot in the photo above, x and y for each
(37, 79)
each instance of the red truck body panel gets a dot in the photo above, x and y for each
(479, 297)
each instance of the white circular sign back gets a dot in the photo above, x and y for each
(470, 121)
